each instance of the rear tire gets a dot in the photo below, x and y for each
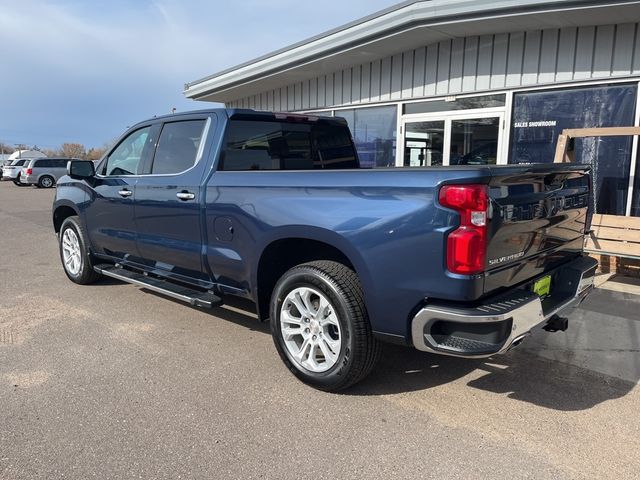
(74, 253)
(18, 183)
(320, 325)
(46, 181)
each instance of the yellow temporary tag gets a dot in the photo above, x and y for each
(542, 286)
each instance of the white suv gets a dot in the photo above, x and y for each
(13, 171)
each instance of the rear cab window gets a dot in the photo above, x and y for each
(272, 144)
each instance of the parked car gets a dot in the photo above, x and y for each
(462, 261)
(44, 172)
(4, 163)
(13, 171)
(21, 155)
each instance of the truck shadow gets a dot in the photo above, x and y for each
(237, 310)
(518, 375)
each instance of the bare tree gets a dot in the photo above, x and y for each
(50, 152)
(73, 150)
(95, 153)
(4, 148)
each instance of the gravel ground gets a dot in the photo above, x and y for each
(108, 381)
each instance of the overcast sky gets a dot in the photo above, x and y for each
(82, 71)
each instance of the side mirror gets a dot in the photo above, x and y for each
(81, 169)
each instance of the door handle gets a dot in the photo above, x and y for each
(186, 196)
(125, 193)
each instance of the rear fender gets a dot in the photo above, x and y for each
(306, 232)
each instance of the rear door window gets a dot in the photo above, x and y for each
(178, 147)
(275, 145)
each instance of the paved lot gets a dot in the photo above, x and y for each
(107, 381)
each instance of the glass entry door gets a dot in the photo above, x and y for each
(472, 139)
(424, 144)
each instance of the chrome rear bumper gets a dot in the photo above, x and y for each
(499, 323)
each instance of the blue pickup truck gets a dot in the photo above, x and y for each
(201, 206)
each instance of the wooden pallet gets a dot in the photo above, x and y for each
(613, 235)
(615, 240)
(565, 152)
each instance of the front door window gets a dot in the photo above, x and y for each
(126, 158)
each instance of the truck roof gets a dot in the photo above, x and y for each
(247, 113)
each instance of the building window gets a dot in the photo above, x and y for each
(539, 117)
(465, 103)
(374, 133)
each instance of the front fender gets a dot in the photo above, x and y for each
(70, 194)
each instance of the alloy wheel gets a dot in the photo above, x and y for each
(310, 329)
(71, 254)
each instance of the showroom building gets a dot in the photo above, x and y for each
(453, 82)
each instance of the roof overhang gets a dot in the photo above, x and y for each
(400, 28)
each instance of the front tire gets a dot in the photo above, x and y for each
(320, 325)
(74, 253)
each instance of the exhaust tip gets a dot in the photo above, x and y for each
(518, 340)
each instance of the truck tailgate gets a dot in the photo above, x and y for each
(538, 217)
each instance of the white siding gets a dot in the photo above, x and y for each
(385, 79)
(499, 60)
(375, 81)
(514, 60)
(467, 65)
(419, 59)
(407, 74)
(485, 58)
(431, 70)
(356, 83)
(531, 59)
(549, 54)
(470, 67)
(365, 83)
(347, 85)
(456, 65)
(396, 76)
(444, 61)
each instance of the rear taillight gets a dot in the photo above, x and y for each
(467, 245)
(28, 171)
